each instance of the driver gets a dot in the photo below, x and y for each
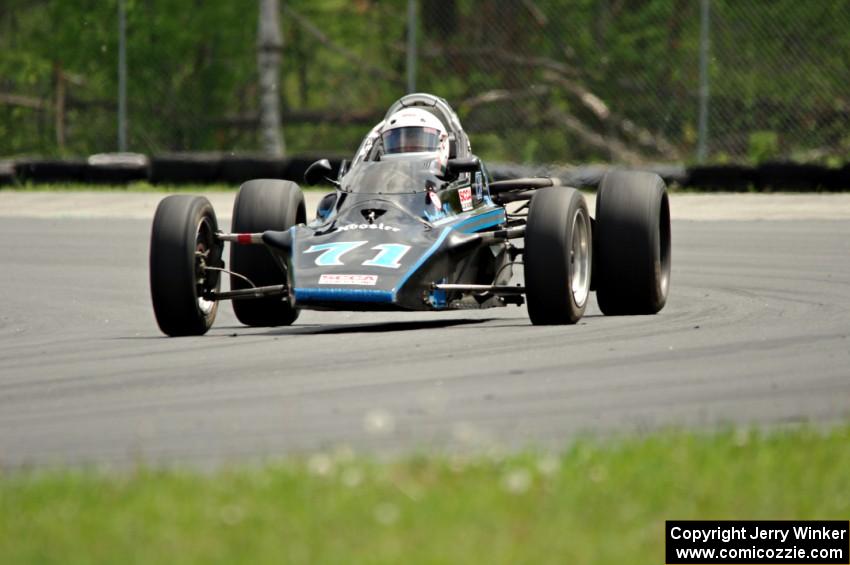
(414, 131)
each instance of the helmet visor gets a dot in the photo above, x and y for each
(411, 140)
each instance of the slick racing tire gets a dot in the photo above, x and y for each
(183, 242)
(263, 205)
(632, 236)
(557, 256)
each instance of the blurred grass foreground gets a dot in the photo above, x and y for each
(597, 502)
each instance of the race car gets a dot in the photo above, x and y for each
(414, 223)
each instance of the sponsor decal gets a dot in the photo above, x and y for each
(435, 199)
(380, 227)
(479, 187)
(465, 195)
(359, 280)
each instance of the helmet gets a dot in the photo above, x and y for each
(413, 130)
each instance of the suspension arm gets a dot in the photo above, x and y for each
(492, 289)
(241, 238)
(489, 237)
(256, 292)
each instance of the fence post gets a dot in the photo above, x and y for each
(411, 45)
(122, 77)
(59, 105)
(702, 133)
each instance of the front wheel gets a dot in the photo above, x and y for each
(261, 205)
(633, 243)
(557, 256)
(183, 244)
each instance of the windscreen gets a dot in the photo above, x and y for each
(390, 177)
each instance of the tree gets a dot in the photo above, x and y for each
(269, 48)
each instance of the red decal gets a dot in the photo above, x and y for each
(243, 238)
(465, 195)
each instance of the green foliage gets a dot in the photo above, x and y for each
(183, 73)
(597, 502)
(777, 66)
(764, 146)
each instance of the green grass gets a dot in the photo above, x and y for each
(601, 501)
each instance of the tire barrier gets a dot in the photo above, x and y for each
(183, 168)
(40, 171)
(297, 165)
(234, 169)
(117, 168)
(7, 173)
(791, 176)
(582, 176)
(722, 178)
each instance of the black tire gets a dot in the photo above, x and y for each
(558, 256)
(182, 226)
(263, 205)
(632, 243)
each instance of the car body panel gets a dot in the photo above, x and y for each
(390, 261)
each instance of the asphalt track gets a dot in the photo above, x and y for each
(755, 331)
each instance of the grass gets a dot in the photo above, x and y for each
(598, 502)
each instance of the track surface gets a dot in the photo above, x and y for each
(756, 331)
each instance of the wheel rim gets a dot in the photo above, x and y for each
(580, 258)
(204, 244)
(664, 247)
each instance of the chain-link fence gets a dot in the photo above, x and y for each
(532, 80)
(779, 76)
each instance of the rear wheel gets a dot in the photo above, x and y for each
(557, 256)
(263, 205)
(632, 243)
(183, 243)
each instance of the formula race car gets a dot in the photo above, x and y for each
(415, 223)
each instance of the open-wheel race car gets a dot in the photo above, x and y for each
(415, 223)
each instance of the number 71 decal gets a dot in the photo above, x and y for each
(388, 256)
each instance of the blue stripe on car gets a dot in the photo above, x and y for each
(467, 217)
(342, 295)
(431, 250)
(491, 215)
(480, 227)
(425, 256)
